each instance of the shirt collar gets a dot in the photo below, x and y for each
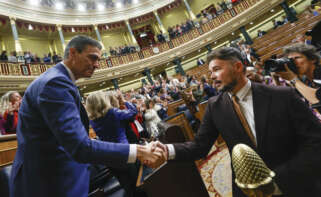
(71, 75)
(243, 91)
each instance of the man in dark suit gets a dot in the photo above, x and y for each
(53, 144)
(282, 129)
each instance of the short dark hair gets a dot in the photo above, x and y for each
(308, 50)
(226, 53)
(80, 42)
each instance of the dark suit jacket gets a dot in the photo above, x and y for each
(53, 144)
(288, 137)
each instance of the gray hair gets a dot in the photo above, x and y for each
(308, 50)
(5, 101)
(98, 104)
(80, 43)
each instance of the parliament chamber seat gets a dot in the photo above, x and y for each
(5, 173)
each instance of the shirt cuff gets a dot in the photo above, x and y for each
(132, 153)
(171, 151)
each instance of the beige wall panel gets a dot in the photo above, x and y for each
(9, 43)
(39, 46)
(198, 5)
(114, 38)
(174, 17)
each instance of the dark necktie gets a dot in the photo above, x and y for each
(242, 118)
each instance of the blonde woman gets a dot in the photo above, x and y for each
(106, 118)
(107, 121)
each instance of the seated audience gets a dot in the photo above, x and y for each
(200, 61)
(3, 56)
(260, 33)
(13, 57)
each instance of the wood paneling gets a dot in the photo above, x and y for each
(7, 151)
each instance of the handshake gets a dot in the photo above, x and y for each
(152, 154)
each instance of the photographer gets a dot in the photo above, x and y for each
(300, 68)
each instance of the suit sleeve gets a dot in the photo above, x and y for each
(305, 166)
(126, 114)
(202, 143)
(59, 107)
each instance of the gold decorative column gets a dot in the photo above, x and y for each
(61, 35)
(99, 37)
(18, 47)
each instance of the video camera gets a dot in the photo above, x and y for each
(278, 65)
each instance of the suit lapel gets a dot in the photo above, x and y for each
(261, 106)
(82, 110)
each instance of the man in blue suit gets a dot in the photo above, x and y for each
(53, 144)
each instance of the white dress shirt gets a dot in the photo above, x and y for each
(245, 100)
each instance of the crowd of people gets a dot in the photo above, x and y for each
(29, 57)
(132, 117)
(123, 50)
(282, 122)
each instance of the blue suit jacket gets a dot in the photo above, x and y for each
(53, 144)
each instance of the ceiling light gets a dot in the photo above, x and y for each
(30, 27)
(59, 6)
(119, 5)
(81, 7)
(135, 1)
(215, 42)
(34, 2)
(251, 23)
(233, 33)
(272, 10)
(100, 7)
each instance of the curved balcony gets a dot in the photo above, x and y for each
(23, 10)
(18, 76)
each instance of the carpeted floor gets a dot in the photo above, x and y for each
(216, 172)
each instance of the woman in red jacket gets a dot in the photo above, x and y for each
(10, 102)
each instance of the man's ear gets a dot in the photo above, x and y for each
(239, 66)
(72, 52)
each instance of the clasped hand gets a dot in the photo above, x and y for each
(152, 154)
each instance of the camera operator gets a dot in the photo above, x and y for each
(300, 66)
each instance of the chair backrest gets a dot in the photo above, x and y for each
(172, 107)
(170, 133)
(201, 109)
(180, 120)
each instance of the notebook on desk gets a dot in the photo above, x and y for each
(174, 179)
